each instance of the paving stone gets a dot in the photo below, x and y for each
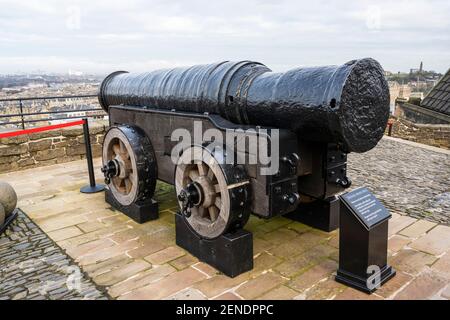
(264, 261)
(280, 236)
(114, 220)
(90, 226)
(399, 223)
(297, 245)
(261, 245)
(334, 241)
(127, 235)
(184, 262)
(148, 247)
(227, 296)
(20, 295)
(66, 233)
(313, 275)
(91, 236)
(90, 247)
(188, 294)
(353, 294)
(324, 290)
(205, 268)
(141, 279)
(446, 293)
(418, 228)
(167, 286)
(425, 286)
(106, 266)
(165, 255)
(436, 242)
(122, 273)
(259, 285)
(443, 264)
(393, 285)
(273, 224)
(56, 223)
(280, 293)
(108, 253)
(220, 283)
(298, 227)
(411, 261)
(302, 262)
(397, 242)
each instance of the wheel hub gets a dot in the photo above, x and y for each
(208, 192)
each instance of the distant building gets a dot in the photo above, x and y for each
(396, 91)
(418, 95)
(434, 108)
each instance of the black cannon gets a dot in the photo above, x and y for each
(307, 119)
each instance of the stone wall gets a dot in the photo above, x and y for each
(49, 147)
(419, 114)
(437, 135)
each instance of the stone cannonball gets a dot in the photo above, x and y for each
(8, 198)
(2, 215)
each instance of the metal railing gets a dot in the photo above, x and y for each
(30, 117)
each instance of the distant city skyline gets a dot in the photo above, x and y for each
(98, 37)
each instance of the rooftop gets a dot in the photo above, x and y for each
(438, 99)
(125, 260)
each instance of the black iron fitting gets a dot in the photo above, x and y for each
(110, 170)
(189, 197)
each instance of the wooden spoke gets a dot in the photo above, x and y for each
(218, 202)
(210, 174)
(123, 149)
(213, 213)
(116, 149)
(217, 188)
(131, 175)
(193, 174)
(116, 181)
(202, 169)
(201, 211)
(128, 185)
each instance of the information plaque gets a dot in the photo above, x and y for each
(366, 207)
(363, 239)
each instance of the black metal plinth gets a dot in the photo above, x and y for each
(231, 253)
(141, 211)
(363, 241)
(8, 221)
(319, 214)
(93, 189)
(361, 283)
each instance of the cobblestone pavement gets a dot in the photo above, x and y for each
(410, 180)
(33, 267)
(291, 260)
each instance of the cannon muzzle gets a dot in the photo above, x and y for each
(347, 104)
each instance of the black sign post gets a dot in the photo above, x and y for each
(363, 241)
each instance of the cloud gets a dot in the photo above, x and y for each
(102, 36)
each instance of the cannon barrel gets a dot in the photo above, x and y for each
(347, 104)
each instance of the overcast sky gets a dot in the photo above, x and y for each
(136, 35)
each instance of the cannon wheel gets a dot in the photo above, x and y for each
(222, 191)
(135, 164)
